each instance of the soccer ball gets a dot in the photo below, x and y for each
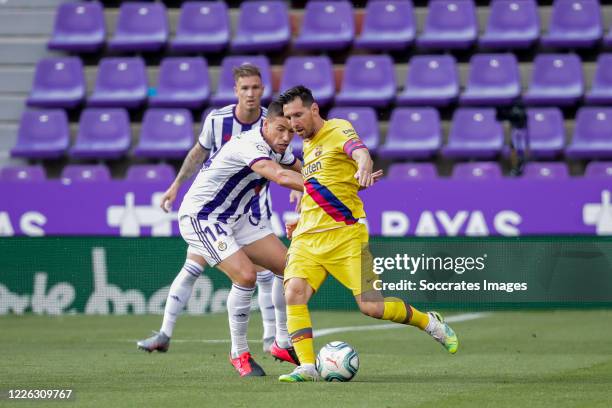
(337, 361)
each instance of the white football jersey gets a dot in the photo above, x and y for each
(226, 187)
(220, 125)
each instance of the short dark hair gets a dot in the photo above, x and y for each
(299, 91)
(245, 70)
(275, 109)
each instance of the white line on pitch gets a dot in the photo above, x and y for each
(451, 319)
(464, 317)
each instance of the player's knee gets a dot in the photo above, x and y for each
(247, 278)
(295, 292)
(372, 309)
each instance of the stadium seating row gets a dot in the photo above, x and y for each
(400, 171)
(87, 173)
(368, 80)
(264, 26)
(492, 170)
(413, 133)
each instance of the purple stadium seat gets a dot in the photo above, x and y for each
(225, 89)
(601, 90)
(412, 171)
(574, 24)
(121, 82)
(183, 83)
(475, 134)
(513, 24)
(141, 26)
(414, 133)
(104, 133)
(203, 26)
(327, 25)
(58, 83)
(599, 170)
(431, 80)
(387, 25)
(77, 173)
(23, 173)
(450, 24)
(494, 79)
(315, 72)
(43, 134)
(546, 132)
(165, 133)
(79, 27)
(369, 80)
(151, 172)
(477, 171)
(592, 134)
(262, 26)
(364, 122)
(547, 171)
(556, 79)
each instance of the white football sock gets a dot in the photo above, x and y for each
(238, 309)
(280, 310)
(179, 294)
(266, 306)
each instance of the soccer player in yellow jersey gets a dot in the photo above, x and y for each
(330, 236)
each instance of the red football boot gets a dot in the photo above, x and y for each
(246, 366)
(284, 354)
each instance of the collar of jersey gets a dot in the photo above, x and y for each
(238, 120)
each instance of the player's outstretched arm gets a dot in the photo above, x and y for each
(276, 174)
(364, 167)
(296, 196)
(296, 166)
(192, 162)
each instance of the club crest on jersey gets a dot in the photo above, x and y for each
(262, 149)
(318, 151)
(222, 246)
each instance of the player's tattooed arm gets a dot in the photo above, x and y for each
(277, 174)
(191, 164)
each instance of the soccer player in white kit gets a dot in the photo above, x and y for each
(219, 126)
(218, 222)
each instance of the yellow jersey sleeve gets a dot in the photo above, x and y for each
(345, 137)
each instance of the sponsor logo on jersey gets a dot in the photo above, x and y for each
(311, 168)
(349, 132)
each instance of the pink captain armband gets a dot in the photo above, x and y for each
(351, 145)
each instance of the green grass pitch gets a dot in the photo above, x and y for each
(506, 359)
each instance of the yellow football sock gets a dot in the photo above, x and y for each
(398, 311)
(300, 331)
(418, 318)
